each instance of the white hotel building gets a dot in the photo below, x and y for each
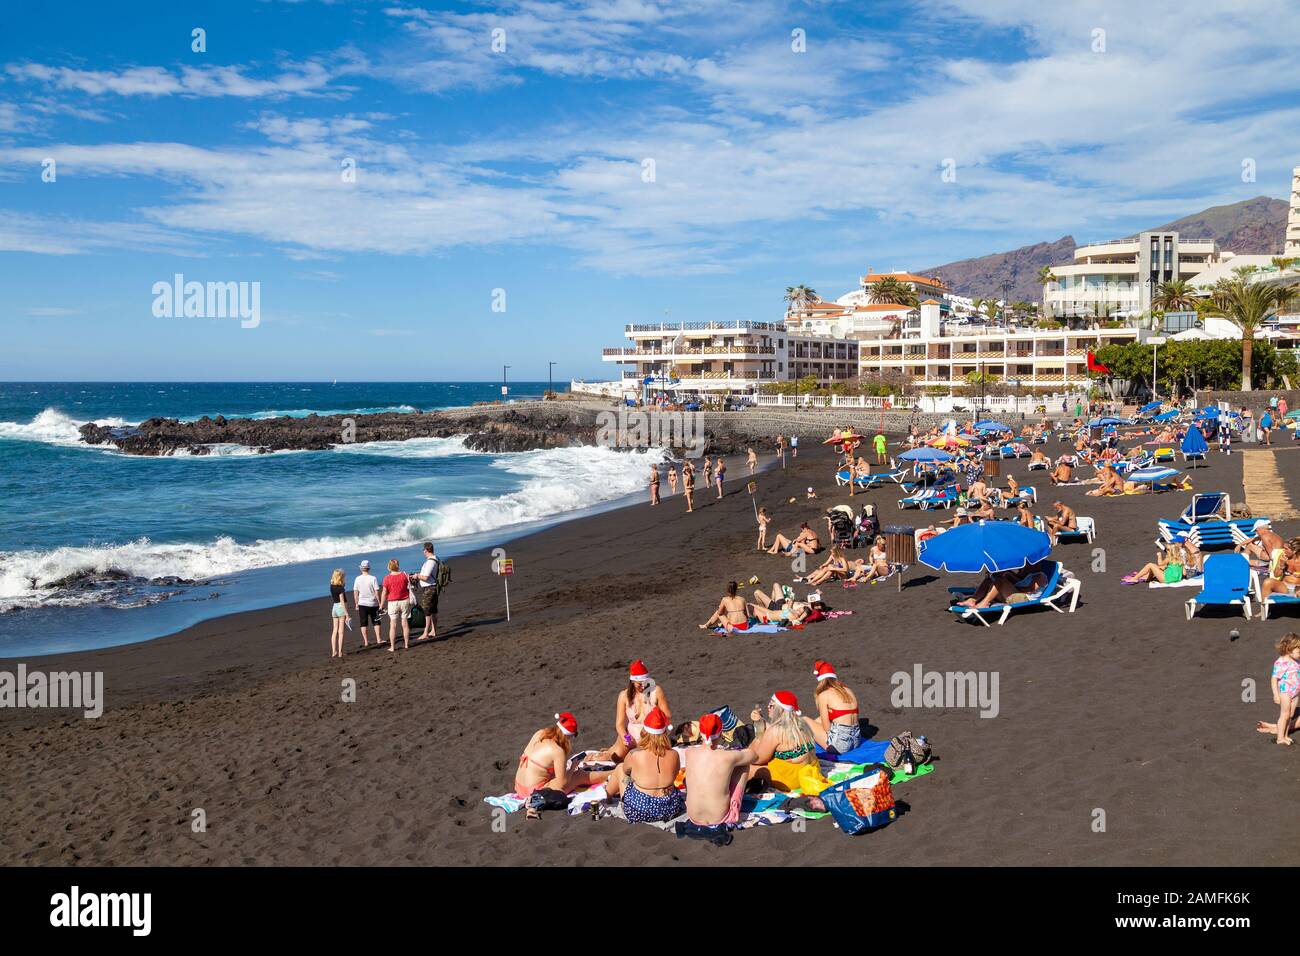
(728, 357)
(936, 353)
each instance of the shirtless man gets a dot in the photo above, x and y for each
(1008, 587)
(1063, 520)
(1111, 483)
(715, 778)
(1062, 473)
(730, 613)
(1264, 545)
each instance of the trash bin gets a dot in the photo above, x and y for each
(992, 468)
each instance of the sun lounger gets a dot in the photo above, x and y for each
(1085, 530)
(1227, 582)
(1209, 535)
(1208, 506)
(928, 498)
(1059, 587)
(871, 481)
(1163, 455)
(1273, 600)
(1038, 465)
(1126, 465)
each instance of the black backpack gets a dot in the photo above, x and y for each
(444, 575)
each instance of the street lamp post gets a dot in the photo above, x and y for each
(505, 385)
(550, 377)
(1006, 301)
(1156, 341)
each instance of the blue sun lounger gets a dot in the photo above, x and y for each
(1227, 581)
(1273, 600)
(1210, 535)
(873, 480)
(1053, 594)
(1208, 506)
(928, 498)
(1085, 530)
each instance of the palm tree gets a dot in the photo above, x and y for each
(889, 290)
(799, 296)
(1174, 296)
(1282, 263)
(1045, 275)
(1247, 305)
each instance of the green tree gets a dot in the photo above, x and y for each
(1173, 296)
(1248, 305)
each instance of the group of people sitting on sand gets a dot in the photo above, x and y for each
(658, 772)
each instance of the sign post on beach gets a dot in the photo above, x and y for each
(752, 488)
(505, 568)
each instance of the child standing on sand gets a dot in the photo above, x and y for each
(764, 519)
(1286, 687)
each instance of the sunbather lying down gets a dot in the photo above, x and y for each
(1007, 587)
(776, 608)
(805, 541)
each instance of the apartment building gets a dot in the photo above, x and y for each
(729, 356)
(1121, 277)
(941, 354)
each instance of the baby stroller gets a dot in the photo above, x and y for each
(841, 519)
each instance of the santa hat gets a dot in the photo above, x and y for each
(656, 722)
(786, 701)
(637, 672)
(823, 670)
(710, 726)
(567, 723)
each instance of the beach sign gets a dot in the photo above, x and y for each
(504, 568)
(752, 488)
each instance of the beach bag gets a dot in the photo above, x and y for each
(548, 800)
(865, 802)
(904, 744)
(444, 575)
(415, 616)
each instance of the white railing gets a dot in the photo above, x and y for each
(1009, 404)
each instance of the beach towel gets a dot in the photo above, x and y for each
(1195, 581)
(753, 629)
(869, 751)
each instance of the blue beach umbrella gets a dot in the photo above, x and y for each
(1148, 408)
(1103, 422)
(1165, 417)
(1194, 443)
(986, 546)
(926, 454)
(989, 426)
(1155, 475)
(1209, 411)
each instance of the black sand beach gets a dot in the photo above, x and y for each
(1123, 707)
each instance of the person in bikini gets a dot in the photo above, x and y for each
(1283, 572)
(836, 726)
(688, 486)
(654, 484)
(646, 779)
(672, 480)
(544, 764)
(1006, 587)
(764, 519)
(730, 613)
(834, 566)
(776, 608)
(786, 750)
(805, 541)
(641, 695)
(1111, 482)
(715, 777)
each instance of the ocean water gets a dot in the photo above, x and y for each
(99, 548)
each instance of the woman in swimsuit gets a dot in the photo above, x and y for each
(730, 613)
(776, 608)
(641, 696)
(654, 485)
(877, 565)
(834, 566)
(646, 780)
(544, 763)
(786, 750)
(836, 726)
(1167, 569)
(688, 486)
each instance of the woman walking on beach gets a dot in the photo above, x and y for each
(719, 474)
(751, 459)
(338, 612)
(672, 479)
(836, 725)
(396, 596)
(688, 486)
(654, 485)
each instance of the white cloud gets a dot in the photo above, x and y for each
(311, 77)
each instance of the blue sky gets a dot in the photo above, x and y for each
(523, 169)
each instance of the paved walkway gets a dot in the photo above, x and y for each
(1265, 491)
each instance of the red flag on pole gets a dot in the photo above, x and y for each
(1095, 366)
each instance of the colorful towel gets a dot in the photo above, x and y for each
(869, 751)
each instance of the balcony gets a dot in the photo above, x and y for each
(713, 351)
(737, 326)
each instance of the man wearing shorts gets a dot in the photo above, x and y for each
(365, 594)
(428, 596)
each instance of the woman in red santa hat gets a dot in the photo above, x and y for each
(786, 750)
(641, 695)
(544, 764)
(836, 725)
(646, 779)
